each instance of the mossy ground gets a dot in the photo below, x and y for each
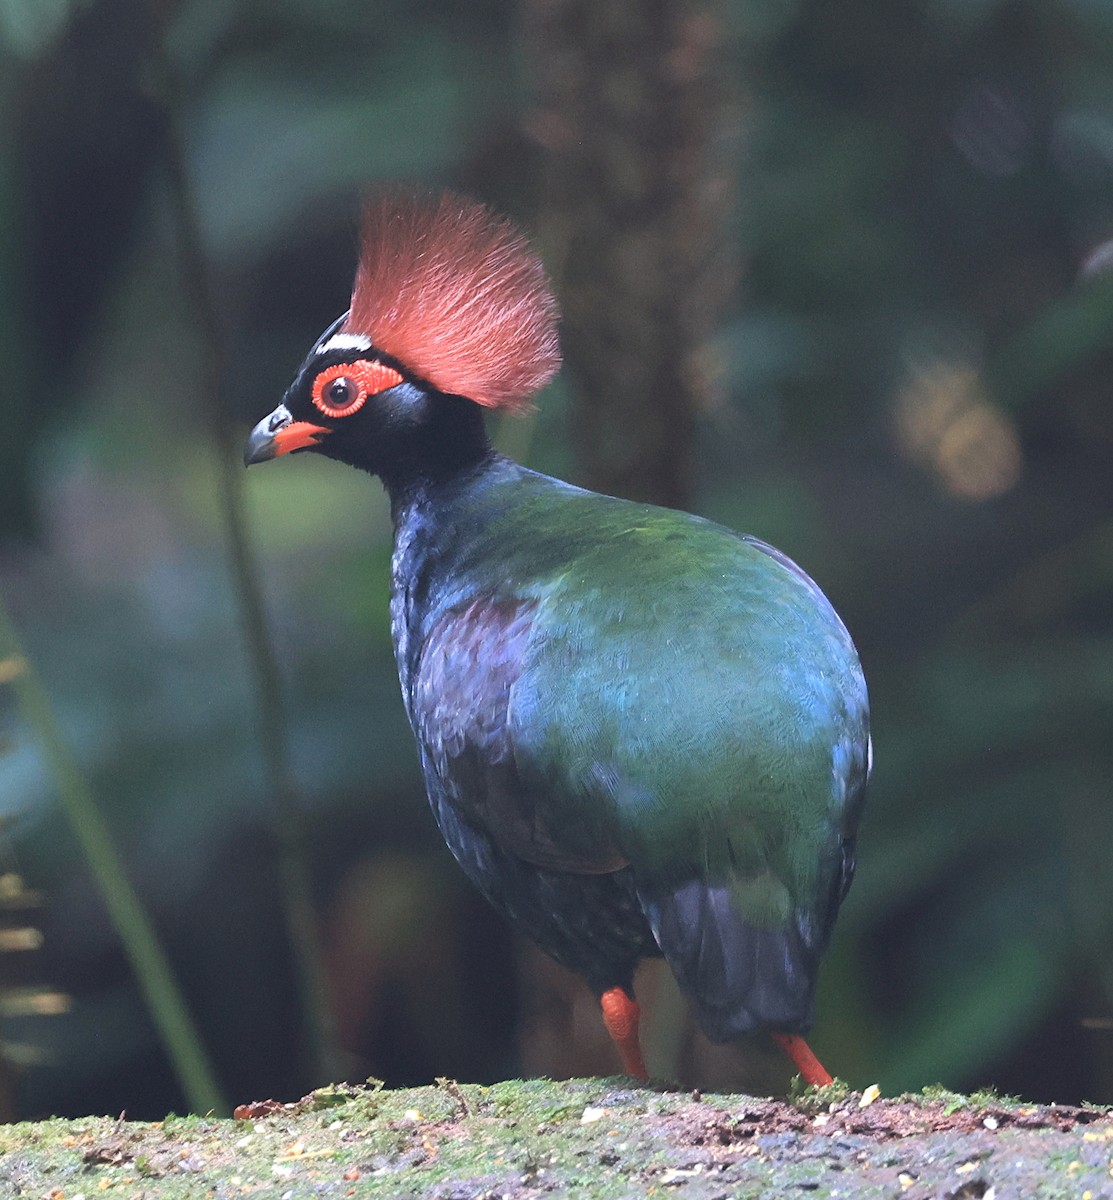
(601, 1138)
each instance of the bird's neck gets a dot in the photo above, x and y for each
(425, 461)
(432, 494)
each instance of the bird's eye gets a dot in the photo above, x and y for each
(341, 392)
(343, 389)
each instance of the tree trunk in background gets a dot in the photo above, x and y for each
(633, 117)
(637, 127)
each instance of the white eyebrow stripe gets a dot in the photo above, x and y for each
(346, 341)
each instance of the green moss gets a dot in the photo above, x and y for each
(936, 1093)
(985, 1097)
(952, 1102)
(603, 1138)
(810, 1098)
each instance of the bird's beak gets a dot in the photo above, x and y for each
(279, 434)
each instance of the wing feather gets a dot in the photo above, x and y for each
(472, 658)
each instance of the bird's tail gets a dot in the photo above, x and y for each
(739, 977)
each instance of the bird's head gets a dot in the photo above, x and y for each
(450, 309)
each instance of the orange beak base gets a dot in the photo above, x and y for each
(271, 437)
(298, 436)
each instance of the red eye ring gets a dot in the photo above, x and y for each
(363, 378)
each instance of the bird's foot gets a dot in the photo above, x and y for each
(812, 1071)
(621, 1015)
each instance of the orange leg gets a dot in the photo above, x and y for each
(620, 1015)
(812, 1071)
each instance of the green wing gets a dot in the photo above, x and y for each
(686, 702)
(697, 700)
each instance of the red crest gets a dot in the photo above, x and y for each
(457, 296)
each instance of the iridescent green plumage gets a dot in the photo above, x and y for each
(681, 702)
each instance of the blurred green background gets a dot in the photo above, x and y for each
(833, 273)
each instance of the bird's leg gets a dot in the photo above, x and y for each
(621, 1015)
(812, 1071)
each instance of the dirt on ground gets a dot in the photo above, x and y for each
(599, 1138)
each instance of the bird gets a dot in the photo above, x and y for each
(642, 734)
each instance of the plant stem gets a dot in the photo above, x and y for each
(148, 959)
(286, 819)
